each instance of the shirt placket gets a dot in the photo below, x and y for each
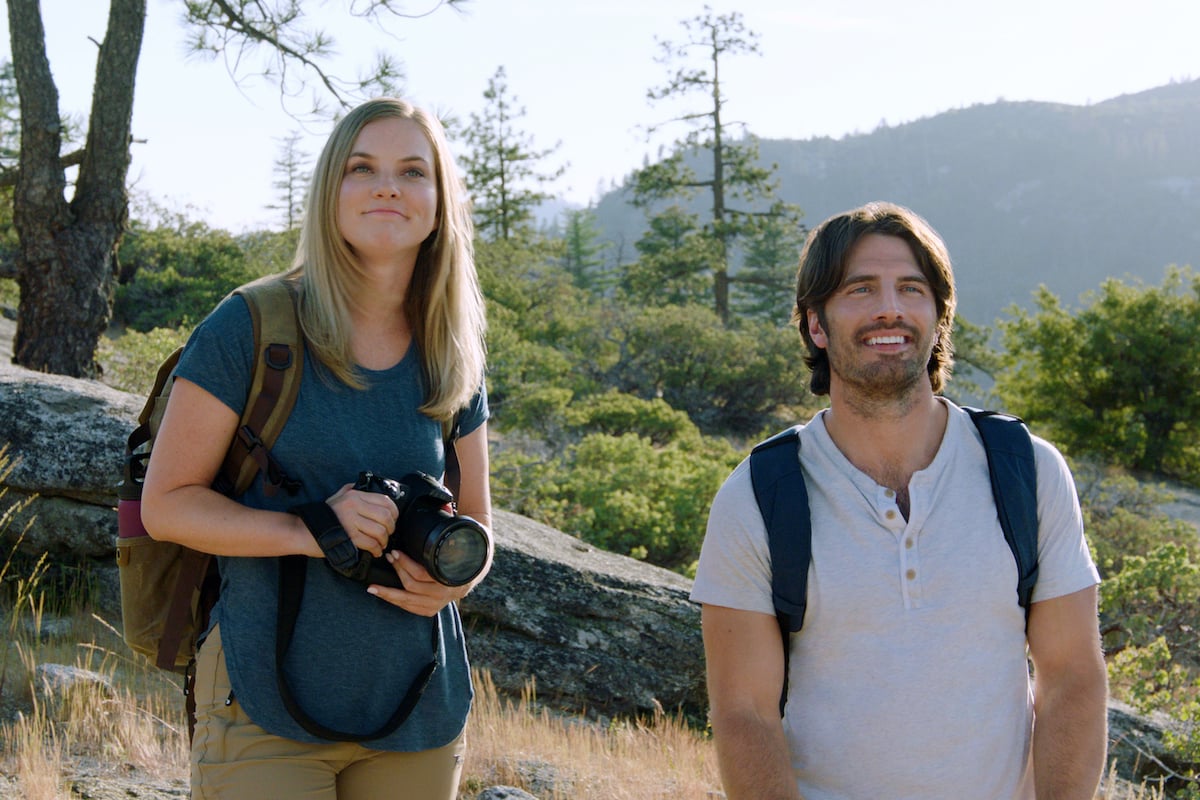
(908, 554)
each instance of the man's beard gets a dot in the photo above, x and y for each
(881, 380)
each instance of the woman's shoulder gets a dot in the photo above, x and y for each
(220, 352)
(230, 317)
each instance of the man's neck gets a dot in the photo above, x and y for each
(888, 442)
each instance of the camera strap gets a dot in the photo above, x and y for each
(340, 553)
(292, 572)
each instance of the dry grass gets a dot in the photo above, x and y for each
(514, 743)
(118, 713)
(127, 717)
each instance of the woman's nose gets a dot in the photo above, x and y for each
(386, 186)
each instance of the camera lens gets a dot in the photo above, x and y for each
(457, 551)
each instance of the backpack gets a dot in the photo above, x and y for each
(167, 589)
(783, 502)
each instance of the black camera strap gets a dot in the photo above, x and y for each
(292, 572)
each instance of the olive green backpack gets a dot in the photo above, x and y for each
(167, 589)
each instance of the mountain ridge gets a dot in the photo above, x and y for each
(1023, 192)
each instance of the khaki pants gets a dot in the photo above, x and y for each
(234, 758)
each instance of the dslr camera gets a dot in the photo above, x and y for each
(453, 547)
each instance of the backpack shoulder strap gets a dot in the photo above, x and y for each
(783, 502)
(274, 385)
(1013, 471)
(452, 476)
(275, 382)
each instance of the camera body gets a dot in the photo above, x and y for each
(454, 548)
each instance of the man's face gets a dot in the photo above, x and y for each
(878, 328)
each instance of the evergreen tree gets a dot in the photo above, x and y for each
(733, 173)
(291, 171)
(502, 169)
(675, 255)
(765, 286)
(584, 252)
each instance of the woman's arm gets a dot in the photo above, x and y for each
(475, 493)
(179, 505)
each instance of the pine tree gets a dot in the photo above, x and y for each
(733, 173)
(291, 180)
(584, 252)
(502, 166)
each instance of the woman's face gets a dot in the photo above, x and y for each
(387, 204)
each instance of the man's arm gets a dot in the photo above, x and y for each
(744, 656)
(1070, 697)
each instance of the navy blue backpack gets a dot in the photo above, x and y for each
(783, 501)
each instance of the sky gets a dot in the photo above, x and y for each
(206, 146)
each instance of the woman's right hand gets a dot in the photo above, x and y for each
(367, 517)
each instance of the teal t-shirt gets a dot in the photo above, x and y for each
(353, 656)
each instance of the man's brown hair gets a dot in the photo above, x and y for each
(823, 268)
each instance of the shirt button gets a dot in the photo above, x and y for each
(911, 574)
(889, 494)
(908, 543)
(890, 514)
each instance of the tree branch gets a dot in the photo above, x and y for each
(8, 175)
(241, 25)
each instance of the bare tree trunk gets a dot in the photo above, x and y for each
(67, 259)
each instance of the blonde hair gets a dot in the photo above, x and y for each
(444, 305)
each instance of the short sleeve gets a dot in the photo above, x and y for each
(1064, 561)
(219, 356)
(476, 413)
(734, 570)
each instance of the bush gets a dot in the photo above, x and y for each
(173, 275)
(622, 493)
(615, 414)
(1155, 595)
(131, 362)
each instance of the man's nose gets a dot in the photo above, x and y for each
(890, 306)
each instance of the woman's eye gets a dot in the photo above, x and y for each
(413, 172)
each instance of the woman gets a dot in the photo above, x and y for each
(393, 321)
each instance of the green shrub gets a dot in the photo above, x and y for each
(174, 274)
(616, 413)
(131, 361)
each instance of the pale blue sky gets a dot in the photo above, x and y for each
(581, 69)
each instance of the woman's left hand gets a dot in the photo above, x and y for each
(421, 594)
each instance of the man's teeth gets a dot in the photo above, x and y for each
(886, 340)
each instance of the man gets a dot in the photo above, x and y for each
(909, 678)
